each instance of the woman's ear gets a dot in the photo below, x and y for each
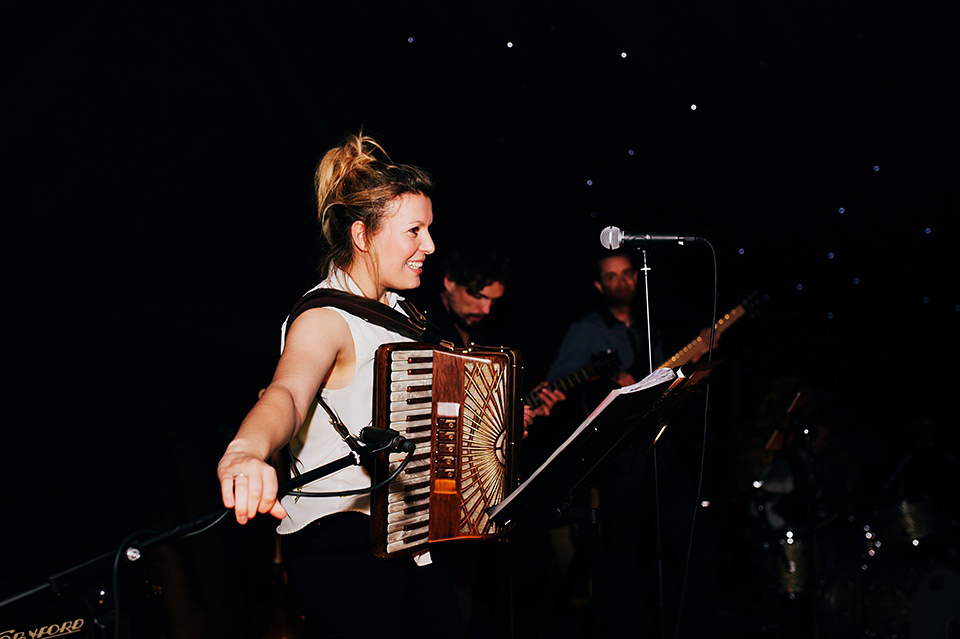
(358, 233)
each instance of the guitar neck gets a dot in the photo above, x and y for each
(700, 345)
(564, 384)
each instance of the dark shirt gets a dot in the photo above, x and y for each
(595, 333)
(441, 322)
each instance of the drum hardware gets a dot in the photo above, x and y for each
(894, 597)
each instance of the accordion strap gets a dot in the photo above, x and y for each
(412, 325)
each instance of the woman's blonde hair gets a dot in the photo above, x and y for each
(354, 182)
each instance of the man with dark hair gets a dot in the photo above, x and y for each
(612, 325)
(474, 284)
(625, 583)
(474, 280)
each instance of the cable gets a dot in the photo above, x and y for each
(128, 544)
(358, 491)
(208, 526)
(703, 449)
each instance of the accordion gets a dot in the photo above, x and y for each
(461, 408)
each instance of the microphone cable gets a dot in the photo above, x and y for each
(703, 449)
(128, 545)
(358, 491)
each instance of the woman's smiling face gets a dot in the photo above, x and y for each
(403, 241)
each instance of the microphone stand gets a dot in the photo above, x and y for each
(661, 604)
(132, 548)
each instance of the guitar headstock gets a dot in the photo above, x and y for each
(751, 303)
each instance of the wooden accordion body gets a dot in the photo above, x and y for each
(461, 408)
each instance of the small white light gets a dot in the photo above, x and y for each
(869, 535)
(916, 542)
(790, 534)
(871, 552)
(841, 210)
(509, 45)
(806, 431)
(693, 107)
(856, 280)
(705, 504)
(830, 255)
(927, 230)
(876, 168)
(799, 287)
(589, 182)
(623, 55)
(758, 484)
(410, 40)
(790, 541)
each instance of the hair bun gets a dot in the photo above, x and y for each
(354, 182)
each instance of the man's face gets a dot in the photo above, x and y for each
(618, 280)
(468, 309)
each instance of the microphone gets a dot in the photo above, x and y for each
(613, 238)
(386, 438)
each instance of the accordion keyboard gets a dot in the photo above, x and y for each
(411, 415)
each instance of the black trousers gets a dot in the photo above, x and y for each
(342, 590)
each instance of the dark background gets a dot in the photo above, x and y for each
(159, 223)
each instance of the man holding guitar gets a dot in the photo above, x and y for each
(610, 344)
(605, 349)
(474, 282)
(611, 327)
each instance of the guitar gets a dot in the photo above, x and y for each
(699, 346)
(602, 364)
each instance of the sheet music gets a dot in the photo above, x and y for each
(657, 378)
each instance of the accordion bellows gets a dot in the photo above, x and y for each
(461, 408)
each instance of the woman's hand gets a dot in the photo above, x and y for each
(317, 340)
(248, 484)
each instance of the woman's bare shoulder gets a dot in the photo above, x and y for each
(318, 325)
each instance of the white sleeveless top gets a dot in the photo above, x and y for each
(317, 443)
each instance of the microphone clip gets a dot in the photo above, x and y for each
(386, 439)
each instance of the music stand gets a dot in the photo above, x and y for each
(632, 415)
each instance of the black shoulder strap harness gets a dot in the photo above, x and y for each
(413, 325)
